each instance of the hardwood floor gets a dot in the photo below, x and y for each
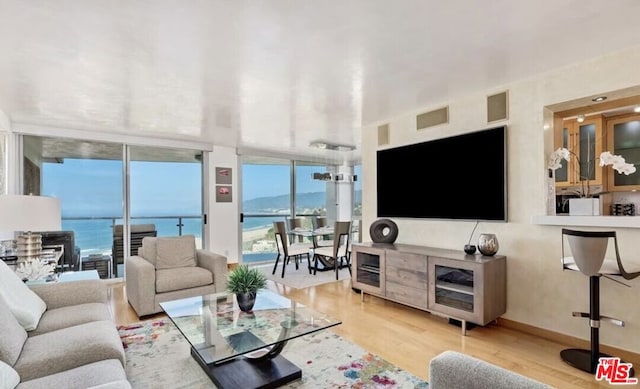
(409, 338)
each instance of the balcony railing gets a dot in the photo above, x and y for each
(94, 235)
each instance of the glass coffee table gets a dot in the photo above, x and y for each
(242, 349)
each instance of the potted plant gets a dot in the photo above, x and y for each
(245, 282)
(586, 204)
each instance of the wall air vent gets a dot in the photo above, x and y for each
(498, 107)
(432, 118)
(383, 134)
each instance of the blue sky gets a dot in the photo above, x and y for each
(94, 187)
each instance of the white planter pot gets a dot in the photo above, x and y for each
(584, 207)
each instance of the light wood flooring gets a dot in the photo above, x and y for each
(409, 338)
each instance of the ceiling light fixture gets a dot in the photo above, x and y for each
(580, 118)
(637, 109)
(599, 99)
(324, 145)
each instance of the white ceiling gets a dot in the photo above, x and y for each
(278, 74)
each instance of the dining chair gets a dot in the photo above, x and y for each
(338, 255)
(588, 249)
(287, 251)
(321, 240)
(293, 223)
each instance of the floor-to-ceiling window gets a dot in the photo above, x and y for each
(164, 191)
(312, 194)
(271, 189)
(356, 210)
(266, 197)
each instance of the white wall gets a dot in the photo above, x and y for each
(224, 218)
(539, 293)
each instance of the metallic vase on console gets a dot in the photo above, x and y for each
(488, 244)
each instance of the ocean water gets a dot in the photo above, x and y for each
(96, 236)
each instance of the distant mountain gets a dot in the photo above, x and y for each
(278, 203)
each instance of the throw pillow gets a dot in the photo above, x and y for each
(24, 303)
(9, 378)
(176, 252)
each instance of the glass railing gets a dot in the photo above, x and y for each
(258, 241)
(94, 235)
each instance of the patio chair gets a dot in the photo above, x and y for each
(137, 232)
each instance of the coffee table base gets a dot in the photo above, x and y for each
(247, 373)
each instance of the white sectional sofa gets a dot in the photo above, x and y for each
(58, 335)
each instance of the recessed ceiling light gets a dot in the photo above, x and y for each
(599, 99)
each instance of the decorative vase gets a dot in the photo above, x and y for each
(488, 244)
(469, 249)
(246, 301)
(551, 193)
(584, 206)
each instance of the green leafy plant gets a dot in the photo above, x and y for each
(244, 279)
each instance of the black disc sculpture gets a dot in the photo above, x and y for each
(383, 231)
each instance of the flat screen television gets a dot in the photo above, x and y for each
(461, 177)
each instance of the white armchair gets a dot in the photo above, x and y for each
(170, 268)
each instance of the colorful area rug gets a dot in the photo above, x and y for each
(158, 356)
(301, 278)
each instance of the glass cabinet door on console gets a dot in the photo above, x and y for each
(584, 140)
(366, 263)
(623, 138)
(472, 290)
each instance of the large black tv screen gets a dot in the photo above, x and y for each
(460, 177)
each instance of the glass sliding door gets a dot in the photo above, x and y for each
(266, 197)
(165, 189)
(164, 194)
(87, 178)
(314, 197)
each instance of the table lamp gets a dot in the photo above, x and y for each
(20, 215)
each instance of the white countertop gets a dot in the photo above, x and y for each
(588, 221)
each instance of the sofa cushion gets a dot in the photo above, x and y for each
(89, 375)
(64, 317)
(69, 348)
(12, 335)
(179, 278)
(25, 305)
(150, 249)
(179, 251)
(9, 378)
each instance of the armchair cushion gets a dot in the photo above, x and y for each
(25, 305)
(149, 249)
(179, 278)
(176, 252)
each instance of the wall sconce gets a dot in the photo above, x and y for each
(580, 118)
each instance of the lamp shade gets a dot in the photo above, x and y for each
(29, 213)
